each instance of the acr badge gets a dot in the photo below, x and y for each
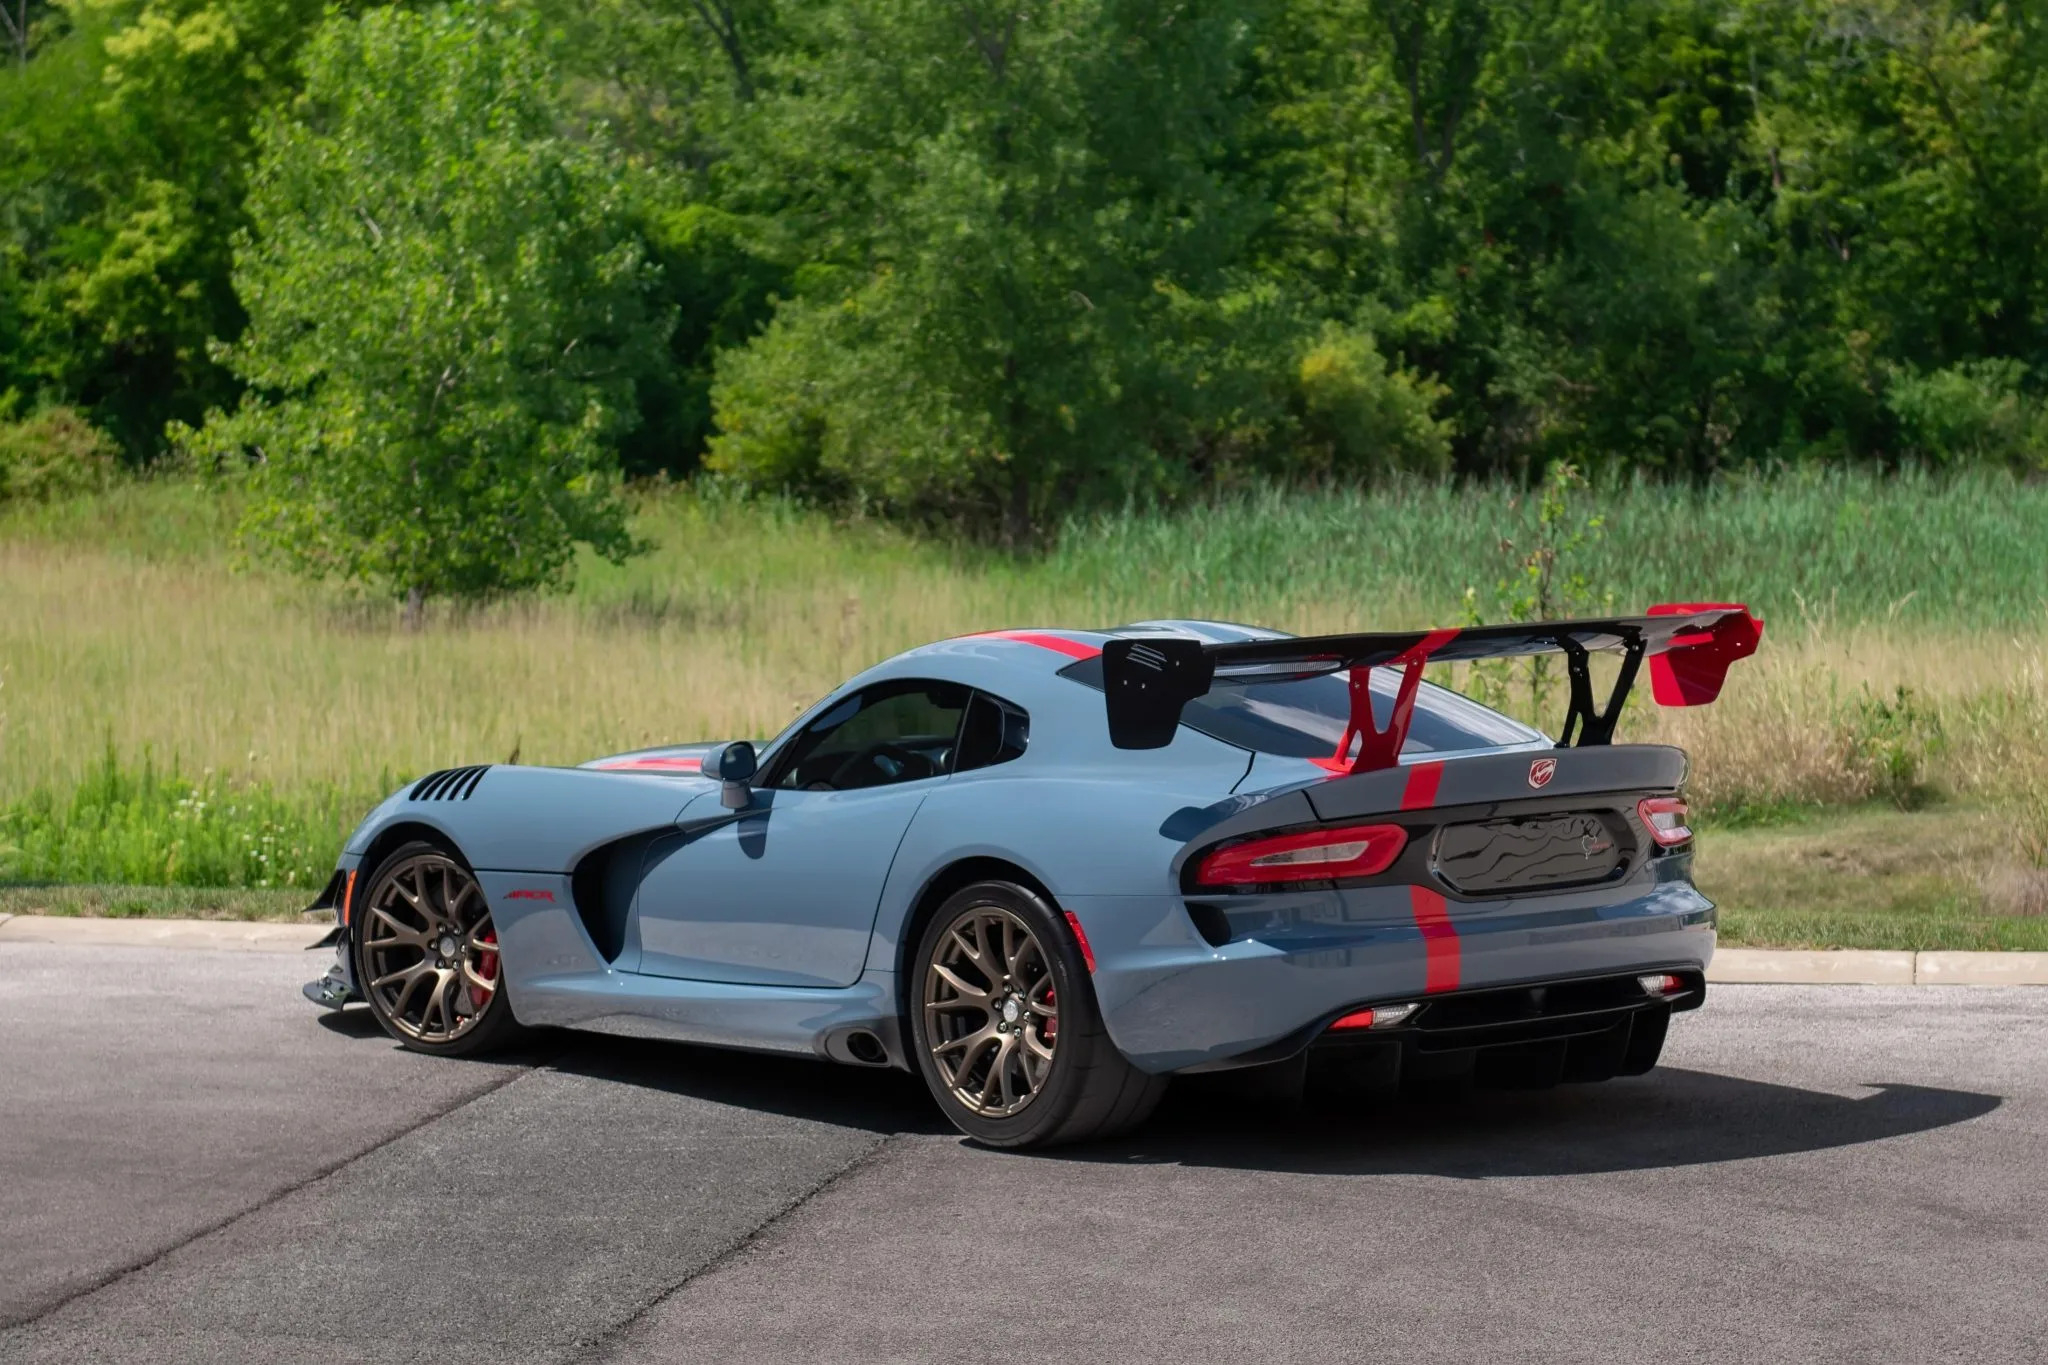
(1541, 771)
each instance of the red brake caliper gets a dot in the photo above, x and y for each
(487, 968)
(1052, 1025)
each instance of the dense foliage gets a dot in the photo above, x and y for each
(984, 261)
(446, 316)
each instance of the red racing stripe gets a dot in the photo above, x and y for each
(1059, 644)
(682, 763)
(1423, 780)
(1440, 967)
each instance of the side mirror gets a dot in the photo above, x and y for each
(733, 765)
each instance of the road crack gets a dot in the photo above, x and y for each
(602, 1346)
(36, 1312)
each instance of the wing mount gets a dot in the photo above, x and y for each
(1148, 679)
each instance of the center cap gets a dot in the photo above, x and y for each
(448, 945)
(1012, 1011)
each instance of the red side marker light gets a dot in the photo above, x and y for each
(1311, 856)
(348, 895)
(1665, 817)
(1081, 937)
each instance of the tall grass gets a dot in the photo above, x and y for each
(126, 622)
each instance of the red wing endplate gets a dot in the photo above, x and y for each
(1148, 679)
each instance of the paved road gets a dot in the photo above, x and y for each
(196, 1166)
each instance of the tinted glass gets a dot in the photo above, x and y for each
(894, 732)
(995, 732)
(1305, 718)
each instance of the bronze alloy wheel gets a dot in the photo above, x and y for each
(991, 1019)
(429, 951)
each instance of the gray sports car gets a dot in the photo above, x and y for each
(1049, 869)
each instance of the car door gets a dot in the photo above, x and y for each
(785, 893)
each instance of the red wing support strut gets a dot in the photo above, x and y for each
(1379, 748)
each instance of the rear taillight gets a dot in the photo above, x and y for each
(1316, 855)
(1665, 818)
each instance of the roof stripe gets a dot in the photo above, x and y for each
(1059, 644)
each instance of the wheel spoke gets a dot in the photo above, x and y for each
(402, 934)
(402, 974)
(966, 994)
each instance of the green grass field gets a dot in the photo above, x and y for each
(170, 717)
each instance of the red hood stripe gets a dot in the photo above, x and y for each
(673, 763)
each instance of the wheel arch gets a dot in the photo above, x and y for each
(389, 839)
(943, 883)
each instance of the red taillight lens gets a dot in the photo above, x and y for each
(1665, 818)
(1356, 1019)
(1313, 856)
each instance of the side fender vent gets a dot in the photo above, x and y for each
(450, 784)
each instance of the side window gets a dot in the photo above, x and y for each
(891, 732)
(995, 732)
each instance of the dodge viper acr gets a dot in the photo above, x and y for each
(1047, 870)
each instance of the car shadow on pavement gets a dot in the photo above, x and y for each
(878, 1101)
(1671, 1117)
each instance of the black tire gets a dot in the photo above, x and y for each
(1085, 1090)
(404, 900)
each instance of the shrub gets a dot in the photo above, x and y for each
(1973, 412)
(51, 453)
(1360, 415)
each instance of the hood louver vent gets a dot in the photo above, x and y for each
(450, 784)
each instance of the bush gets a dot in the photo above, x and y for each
(54, 452)
(1969, 413)
(1360, 415)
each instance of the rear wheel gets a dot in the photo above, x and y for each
(426, 955)
(1006, 1029)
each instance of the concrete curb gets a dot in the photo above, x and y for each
(1858, 967)
(230, 935)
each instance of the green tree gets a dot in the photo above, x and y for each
(122, 143)
(1019, 223)
(446, 315)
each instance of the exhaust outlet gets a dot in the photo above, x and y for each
(860, 1045)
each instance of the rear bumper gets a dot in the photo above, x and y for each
(1173, 1001)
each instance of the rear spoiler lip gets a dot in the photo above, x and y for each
(1148, 679)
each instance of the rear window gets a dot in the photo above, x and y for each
(1305, 717)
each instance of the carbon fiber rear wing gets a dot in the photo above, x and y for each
(1148, 679)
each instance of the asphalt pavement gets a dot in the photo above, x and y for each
(196, 1165)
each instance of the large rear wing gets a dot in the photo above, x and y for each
(1147, 679)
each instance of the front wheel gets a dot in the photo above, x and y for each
(427, 955)
(1006, 1029)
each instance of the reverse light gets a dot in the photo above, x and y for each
(1311, 856)
(1660, 983)
(1380, 1016)
(1665, 818)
